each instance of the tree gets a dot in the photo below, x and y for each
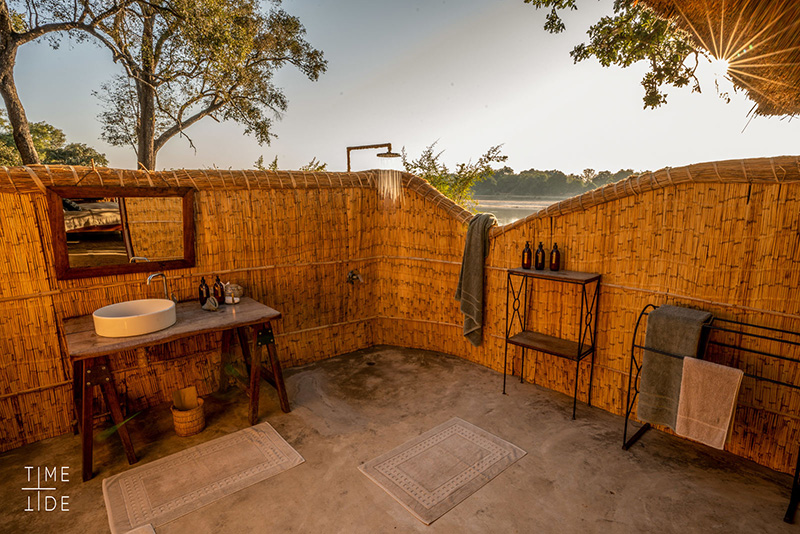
(635, 33)
(543, 184)
(49, 143)
(37, 19)
(588, 175)
(76, 154)
(312, 166)
(190, 59)
(456, 185)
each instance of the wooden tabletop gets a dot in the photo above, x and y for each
(83, 343)
(574, 277)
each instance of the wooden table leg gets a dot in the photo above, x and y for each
(97, 372)
(255, 377)
(87, 428)
(277, 372)
(225, 359)
(244, 343)
(77, 389)
(262, 336)
(112, 399)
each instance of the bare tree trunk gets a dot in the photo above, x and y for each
(147, 124)
(8, 89)
(147, 96)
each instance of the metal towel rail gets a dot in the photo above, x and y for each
(746, 331)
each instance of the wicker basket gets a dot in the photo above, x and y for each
(189, 422)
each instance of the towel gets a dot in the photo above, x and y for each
(470, 282)
(707, 401)
(677, 331)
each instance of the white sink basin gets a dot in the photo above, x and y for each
(134, 317)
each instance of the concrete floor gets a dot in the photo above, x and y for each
(350, 409)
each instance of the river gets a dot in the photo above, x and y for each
(510, 210)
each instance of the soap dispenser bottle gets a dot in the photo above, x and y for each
(555, 258)
(219, 291)
(204, 291)
(527, 256)
(540, 256)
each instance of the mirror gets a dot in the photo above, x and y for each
(100, 231)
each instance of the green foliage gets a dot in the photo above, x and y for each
(50, 143)
(635, 33)
(199, 58)
(456, 185)
(9, 157)
(312, 166)
(76, 154)
(46, 137)
(23, 21)
(535, 183)
(18, 23)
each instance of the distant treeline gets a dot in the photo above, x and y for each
(532, 183)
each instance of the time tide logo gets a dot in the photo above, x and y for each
(42, 489)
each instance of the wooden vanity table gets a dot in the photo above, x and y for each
(89, 356)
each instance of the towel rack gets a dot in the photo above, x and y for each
(747, 332)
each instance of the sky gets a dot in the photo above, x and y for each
(467, 74)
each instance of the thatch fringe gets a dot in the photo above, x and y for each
(33, 178)
(758, 38)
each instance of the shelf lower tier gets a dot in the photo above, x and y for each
(549, 344)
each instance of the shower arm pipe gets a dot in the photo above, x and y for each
(387, 146)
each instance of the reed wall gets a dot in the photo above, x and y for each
(155, 226)
(288, 238)
(723, 237)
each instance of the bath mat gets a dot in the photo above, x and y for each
(432, 473)
(168, 488)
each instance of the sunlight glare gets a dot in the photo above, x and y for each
(714, 73)
(719, 68)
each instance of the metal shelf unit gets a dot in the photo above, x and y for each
(577, 351)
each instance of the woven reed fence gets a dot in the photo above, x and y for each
(156, 227)
(720, 236)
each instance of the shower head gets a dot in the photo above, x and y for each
(387, 154)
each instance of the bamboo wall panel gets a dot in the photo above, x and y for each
(288, 238)
(722, 236)
(730, 246)
(156, 227)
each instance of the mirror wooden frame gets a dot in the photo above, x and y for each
(55, 212)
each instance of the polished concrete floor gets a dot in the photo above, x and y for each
(352, 408)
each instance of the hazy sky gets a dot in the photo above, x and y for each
(468, 73)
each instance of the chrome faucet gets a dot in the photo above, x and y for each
(166, 290)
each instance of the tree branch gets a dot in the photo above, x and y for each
(180, 126)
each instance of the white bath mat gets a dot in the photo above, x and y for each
(432, 473)
(163, 490)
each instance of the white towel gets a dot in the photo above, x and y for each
(707, 401)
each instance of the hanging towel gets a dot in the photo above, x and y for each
(470, 282)
(708, 401)
(677, 331)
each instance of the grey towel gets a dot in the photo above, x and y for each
(675, 330)
(470, 281)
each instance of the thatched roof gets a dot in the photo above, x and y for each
(759, 38)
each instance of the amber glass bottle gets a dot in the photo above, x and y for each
(527, 255)
(204, 291)
(540, 255)
(555, 258)
(219, 291)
